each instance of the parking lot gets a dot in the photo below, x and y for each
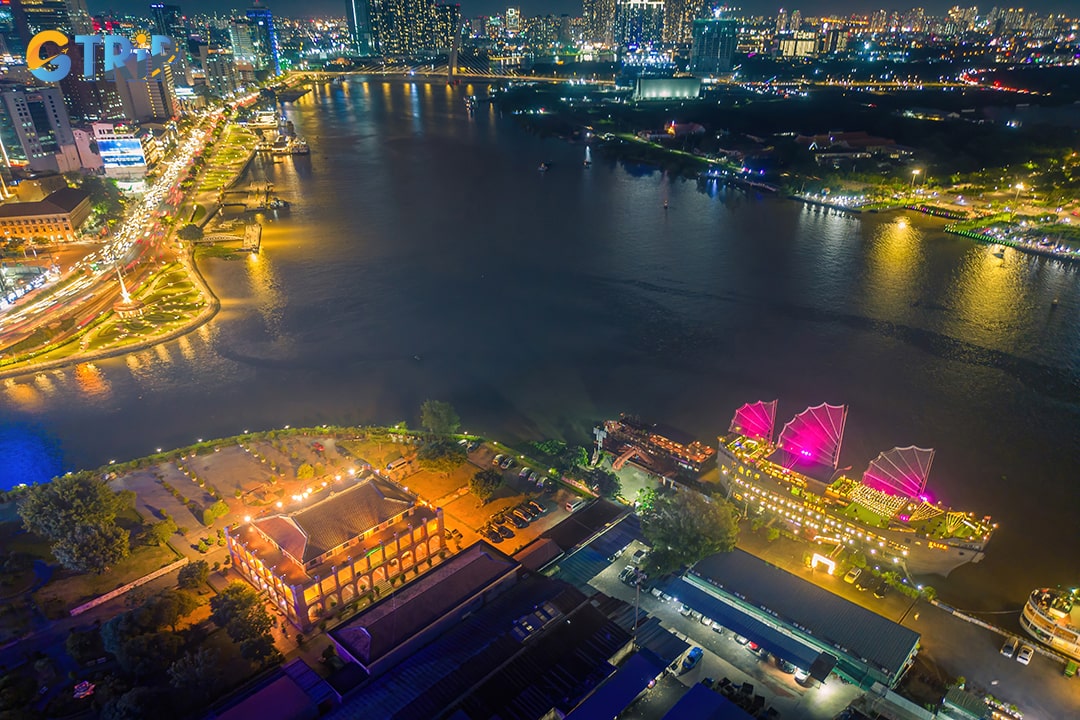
(723, 657)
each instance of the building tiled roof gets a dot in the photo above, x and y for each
(312, 531)
(61, 202)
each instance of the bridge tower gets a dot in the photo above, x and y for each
(451, 61)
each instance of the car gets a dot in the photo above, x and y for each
(524, 473)
(882, 589)
(627, 575)
(522, 515)
(638, 556)
(785, 666)
(472, 446)
(741, 640)
(616, 555)
(497, 460)
(507, 463)
(1009, 648)
(519, 522)
(504, 531)
(528, 510)
(534, 477)
(1026, 652)
(863, 582)
(538, 507)
(852, 575)
(685, 610)
(491, 535)
(692, 659)
(802, 676)
(717, 628)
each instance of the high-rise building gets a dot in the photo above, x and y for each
(35, 130)
(404, 27)
(265, 39)
(358, 13)
(67, 16)
(149, 100)
(600, 21)
(639, 22)
(513, 20)
(542, 31)
(796, 21)
(713, 50)
(219, 67)
(679, 17)
(782, 21)
(242, 39)
(168, 19)
(447, 26)
(10, 40)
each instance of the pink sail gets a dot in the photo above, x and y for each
(814, 435)
(900, 471)
(755, 420)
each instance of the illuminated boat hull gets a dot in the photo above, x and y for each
(1051, 617)
(811, 511)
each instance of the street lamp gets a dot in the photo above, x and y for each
(1019, 187)
(914, 174)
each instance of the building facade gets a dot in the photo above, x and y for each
(358, 14)
(639, 22)
(264, 39)
(713, 50)
(338, 548)
(57, 218)
(35, 131)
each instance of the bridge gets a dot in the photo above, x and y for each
(632, 451)
(251, 240)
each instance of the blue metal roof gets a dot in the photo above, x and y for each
(830, 619)
(745, 624)
(619, 691)
(701, 703)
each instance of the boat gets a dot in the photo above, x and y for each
(888, 514)
(1052, 616)
(588, 157)
(544, 167)
(657, 449)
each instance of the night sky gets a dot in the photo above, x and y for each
(471, 8)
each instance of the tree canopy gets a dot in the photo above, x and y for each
(193, 574)
(190, 232)
(439, 417)
(440, 455)
(77, 513)
(606, 483)
(240, 611)
(484, 483)
(685, 526)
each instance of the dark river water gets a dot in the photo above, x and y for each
(426, 257)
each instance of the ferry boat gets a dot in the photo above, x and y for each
(657, 449)
(1053, 617)
(588, 157)
(543, 167)
(888, 514)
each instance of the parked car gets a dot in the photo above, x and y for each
(616, 555)
(522, 515)
(741, 640)
(627, 575)
(519, 522)
(852, 575)
(491, 535)
(528, 510)
(1009, 648)
(534, 477)
(472, 446)
(504, 531)
(802, 676)
(785, 666)
(882, 589)
(863, 582)
(717, 628)
(1026, 652)
(638, 556)
(692, 659)
(524, 473)
(497, 460)
(685, 610)
(538, 507)
(507, 463)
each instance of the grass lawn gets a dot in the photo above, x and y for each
(71, 590)
(431, 485)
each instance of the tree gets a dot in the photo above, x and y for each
(259, 649)
(441, 455)
(190, 232)
(171, 606)
(439, 417)
(139, 703)
(92, 547)
(150, 654)
(54, 509)
(193, 575)
(305, 472)
(196, 674)
(84, 646)
(240, 611)
(606, 483)
(685, 526)
(160, 532)
(484, 483)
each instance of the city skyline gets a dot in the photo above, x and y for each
(473, 8)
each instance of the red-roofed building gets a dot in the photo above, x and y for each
(338, 547)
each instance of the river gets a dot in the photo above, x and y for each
(426, 257)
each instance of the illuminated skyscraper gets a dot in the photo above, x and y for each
(639, 22)
(265, 39)
(68, 16)
(403, 27)
(599, 21)
(447, 26)
(35, 130)
(513, 20)
(714, 46)
(679, 17)
(360, 27)
(167, 19)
